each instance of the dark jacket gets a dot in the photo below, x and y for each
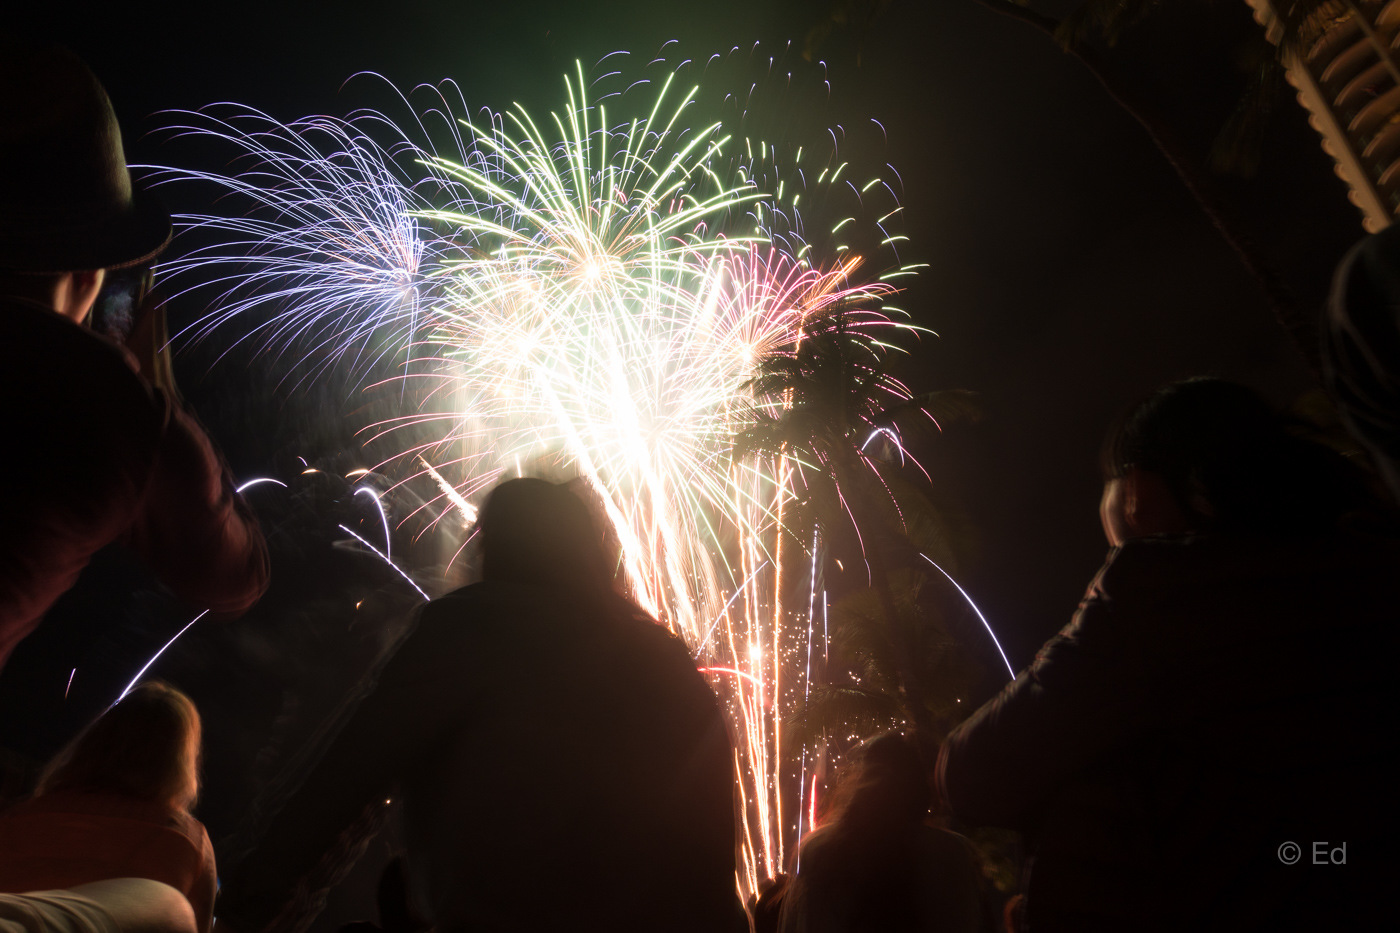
(907, 878)
(1361, 348)
(559, 769)
(96, 455)
(1212, 700)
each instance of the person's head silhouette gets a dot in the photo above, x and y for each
(146, 746)
(538, 533)
(69, 207)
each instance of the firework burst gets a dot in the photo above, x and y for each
(591, 294)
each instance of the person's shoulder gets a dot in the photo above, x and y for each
(93, 805)
(654, 639)
(817, 852)
(469, 599)
(198, 835)
(945, 845)
(818, 839)
(479, 610)
(828, 856)
(1150, 568)
(1120, 614)
(59, 801)
(645, 628)
(1145, 558)
(34, 331)
(66, 369)
(1206, 562)
(191, 828)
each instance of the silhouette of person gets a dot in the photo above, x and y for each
(115, 803)
(876, 866)
(560, 761)
(106, 454)
(1361, 348)
(1224, 692)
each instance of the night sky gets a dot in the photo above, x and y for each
(1069, 272)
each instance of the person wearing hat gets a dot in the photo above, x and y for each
(98, 447)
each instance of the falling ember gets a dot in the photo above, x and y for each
(591, 294)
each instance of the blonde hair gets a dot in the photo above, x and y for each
(147, 745)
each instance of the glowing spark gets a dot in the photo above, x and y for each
(384, 557)
(147, 666)
(731, 670)
(985, 624)
(383, 517)
(732, 596)
(894, 438)
(466, 508)
(259, 481)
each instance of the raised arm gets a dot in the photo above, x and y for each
(194, 530)
(1075, 702)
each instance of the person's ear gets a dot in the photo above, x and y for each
(1132, 498)
(76, 301)
(1150, 507)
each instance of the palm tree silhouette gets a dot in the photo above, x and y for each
(821, 403)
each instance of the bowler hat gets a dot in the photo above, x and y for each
(67, 200)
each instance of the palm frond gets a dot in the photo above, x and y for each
(1105, 18)
(944, 407)
(1239, 145)
(1304, 22)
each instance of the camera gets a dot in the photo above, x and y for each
(121, 302)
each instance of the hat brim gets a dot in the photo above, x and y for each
(135, 236)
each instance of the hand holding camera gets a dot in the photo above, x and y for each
(130, 312)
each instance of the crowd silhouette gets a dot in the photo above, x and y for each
(1209, 744)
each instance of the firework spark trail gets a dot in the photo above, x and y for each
(1010, 671)
(155, 657)
(384, 557)
(258, 482)
(587, 292)
(249, 484)
(383, 518)
(467, 510)
(807, 674)
(321, 181)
